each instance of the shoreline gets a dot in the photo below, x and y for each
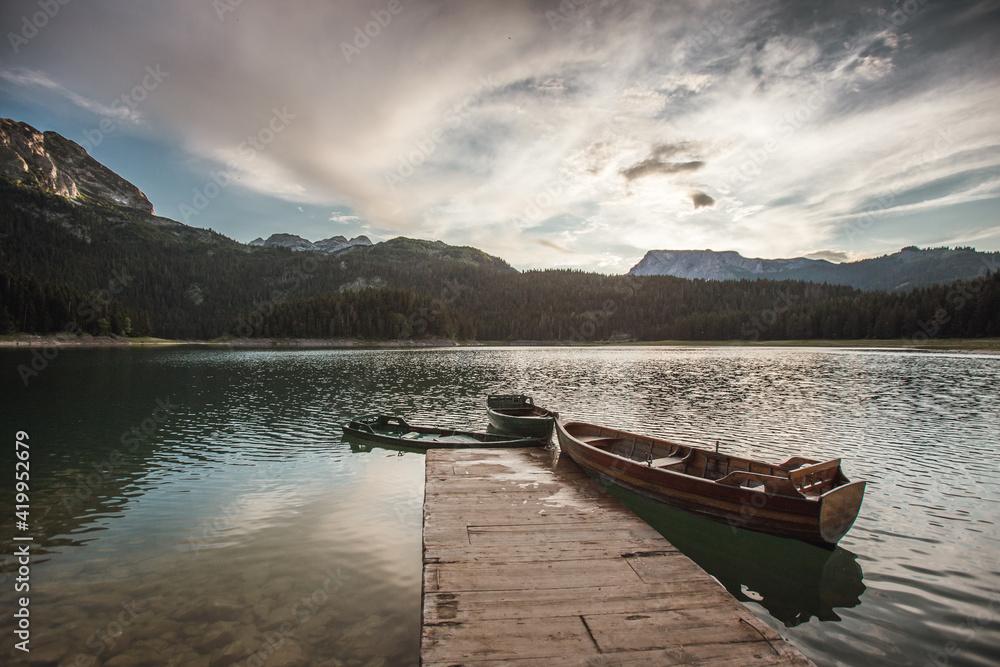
(36, 341)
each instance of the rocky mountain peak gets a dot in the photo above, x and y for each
(910, 267)
(53, 163)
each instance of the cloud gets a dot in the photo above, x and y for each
(835, 256)
(701, 199)
(555, 246)
(28, 78)
(655, 163)
(670, 125)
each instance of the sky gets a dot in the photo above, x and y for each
(559, 133)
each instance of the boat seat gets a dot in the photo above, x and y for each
(455, 438)
(666, 462)
(600, 443)
(817, 478)
(768, 483)
(412, 435)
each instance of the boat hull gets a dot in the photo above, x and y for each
(395, 432)
(820, 520)
(518, 415)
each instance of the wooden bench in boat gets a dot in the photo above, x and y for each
(772, 484)
(451, 439)
(671, 462)
(816, 479)
(612, 444)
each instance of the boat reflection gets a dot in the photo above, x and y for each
(794, 581)
(359, 446)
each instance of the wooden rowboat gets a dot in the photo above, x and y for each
(518, 415)
(392, 430)
(801, 498)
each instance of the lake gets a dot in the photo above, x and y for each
(196, 506)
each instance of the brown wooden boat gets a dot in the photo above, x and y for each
(801, 498)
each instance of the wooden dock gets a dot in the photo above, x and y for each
(527, 561)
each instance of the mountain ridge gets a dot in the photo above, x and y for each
(52, 163)
(909, 268)
(296, 243)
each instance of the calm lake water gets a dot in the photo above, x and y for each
(234, 519)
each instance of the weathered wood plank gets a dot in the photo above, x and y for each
(755, 654)
(533, 552)
(537, 575)
(508, 639)
(480, 605)
(528, 561)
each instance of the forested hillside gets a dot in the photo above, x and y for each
(576, 306)
(96, 268)
(185, 282)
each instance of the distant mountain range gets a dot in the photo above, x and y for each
(909, 268)
(331, 245)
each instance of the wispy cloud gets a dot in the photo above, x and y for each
(343, 218)
(629, 126)
(23, 77)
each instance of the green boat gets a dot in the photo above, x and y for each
(394, 431)
(518, 415)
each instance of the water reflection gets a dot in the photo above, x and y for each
(792, 580)
(252, 467)
(359, 446)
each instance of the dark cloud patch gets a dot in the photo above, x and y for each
(701, 199)
(553, 245)
(657, 164)
(835, 256)
(654, 166)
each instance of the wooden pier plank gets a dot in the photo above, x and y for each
(528, 561)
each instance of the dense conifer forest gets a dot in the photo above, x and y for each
(103, 270)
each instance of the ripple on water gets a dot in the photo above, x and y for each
(245, 511)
